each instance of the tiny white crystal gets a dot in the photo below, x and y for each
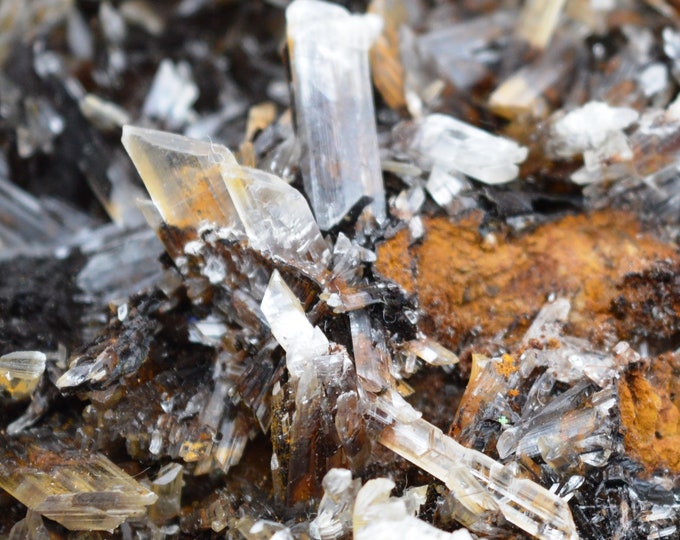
(334, 516)
(454, 146)
(588, 128)
(377, 516)
(172, 93)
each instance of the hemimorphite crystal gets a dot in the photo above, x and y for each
(20, 372)
(183, 176)
(379, 516)
(79, 490)
(194, 183)
(439, 140)
(301, 341)
(334, 107)
(480, 483)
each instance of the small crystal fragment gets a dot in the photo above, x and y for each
(431, 352)
(329, 54)
(589, 128)
(32, 527)
(277, 220)
(168, 488)
(524, 92)
(334, 517)
(379, 516)
(465, 52)
(104, 114)
(538, 21)
(302, 341)
(20, 372)
(442, 141)
(42, 125)
(172, 94)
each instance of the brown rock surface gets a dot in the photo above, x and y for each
(650, 413)
(473, 289)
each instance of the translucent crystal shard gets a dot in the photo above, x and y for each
(431, 352)
(334, 517)
(194, 183)
(20, 372)
(79, 490)
(371, 356)
(480, 483)
(574, 424)
(168, 488)
(32, 527)
(592, 129)
(277, 220)
(443, 141)
(334, 107)
(302, 341)
(379, 516)
(538, 21)
(172, 93)
(465, 51)
(183, 176)
(524, 91)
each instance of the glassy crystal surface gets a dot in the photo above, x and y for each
(81, 491)
(377, 515)
(20, 372)
(480, 484)
(334, 107)
(248, 375)
(302, 341)
(172, 94)
(183, 176)
(194, 183)
(443, 141)
(465, 52)
(32, 527)
(277, 220)
(168, 488)
(334, 519)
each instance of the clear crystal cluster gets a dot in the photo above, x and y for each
(288, 307)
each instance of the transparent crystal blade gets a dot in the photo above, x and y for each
(334, 107)
(183, 176)
(301, 341)
(277, 219)
(480, 483)
(81, 491)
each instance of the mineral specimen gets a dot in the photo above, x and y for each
(450, 310)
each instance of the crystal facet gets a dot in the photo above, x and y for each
(334, 105)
